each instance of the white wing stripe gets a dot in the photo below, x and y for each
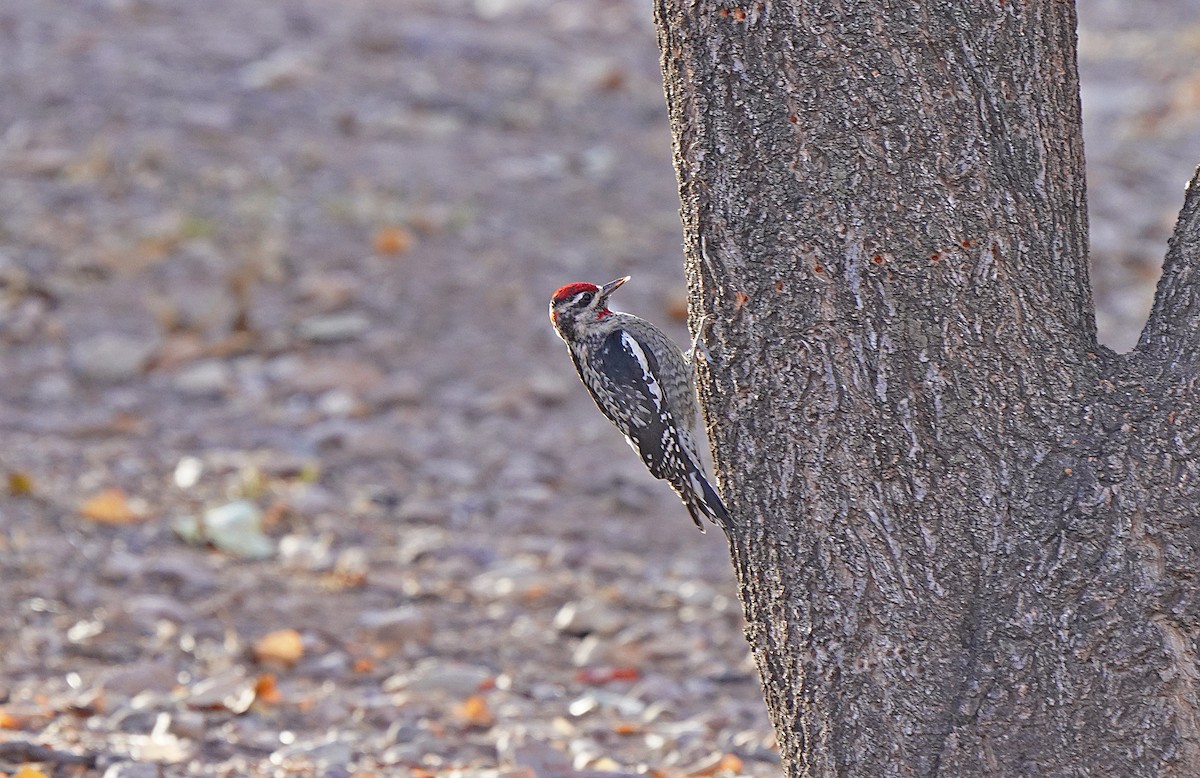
(635, 348)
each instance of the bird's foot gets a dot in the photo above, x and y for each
(697, 346)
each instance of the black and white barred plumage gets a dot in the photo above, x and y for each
(644, 384)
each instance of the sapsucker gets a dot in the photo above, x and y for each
(644, 384)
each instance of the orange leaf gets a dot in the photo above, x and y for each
(535, 592)
(283, 647)
(677, 308)
(29, 772)
(110, 506)
(714, 764)
(392, 240)
(9, 721)
(474, 712)
(266, 690)
(626, 728)
(601, 676)
(730, 763)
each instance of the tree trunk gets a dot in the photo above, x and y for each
(966, 534)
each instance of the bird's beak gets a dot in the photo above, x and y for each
(612, 286)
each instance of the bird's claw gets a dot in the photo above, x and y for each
(697, 346)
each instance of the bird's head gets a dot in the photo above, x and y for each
(576, 306)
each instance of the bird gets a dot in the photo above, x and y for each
(644, 384)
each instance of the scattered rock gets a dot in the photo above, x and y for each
(549, 388)
(398, 627)
(515, 579)
(130, 681)
(328, 291)
(187, 472)
(333, 327)
(306, 552)
(148, 609)
(190, 724)
(207, 378)
(315, 375)
(158, 746)
(52, 388)
(235, 528)
(454, 678)
(586, 617)
(542, 759)
(185, 574)
(282, 68)
(121, 566)
(230, 691)
(400, 388)
(330, 752)
(338, 403)
(111, 357)
(132, 770)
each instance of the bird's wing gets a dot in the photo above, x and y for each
(631, 374)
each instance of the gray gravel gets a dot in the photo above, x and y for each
(297, 254)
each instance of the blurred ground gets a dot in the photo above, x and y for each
(298, 254)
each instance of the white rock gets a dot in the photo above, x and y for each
(398, 626)
(207, 378)
(333, 327)
(586, 617)
(111, 357)
(281, 68)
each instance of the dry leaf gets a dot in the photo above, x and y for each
(392, 240)
(9, 721)
(29, 772)
(676, 307)
(535, 592)
(110, 506)
(266, 690)
(730, 763)
(276, 512)
(714, 764)
(20, 483)
(125, 423)
(600, 676)
(338, 581)
(474, 712)
(282, 647)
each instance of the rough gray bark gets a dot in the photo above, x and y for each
(966, 535)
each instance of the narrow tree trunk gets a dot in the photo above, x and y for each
(966, 535)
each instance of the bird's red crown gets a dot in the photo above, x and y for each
(570, 290)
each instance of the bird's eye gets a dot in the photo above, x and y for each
(585, 298)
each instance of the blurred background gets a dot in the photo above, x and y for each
(298, 480)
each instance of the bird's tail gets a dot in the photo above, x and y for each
(702, 499)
